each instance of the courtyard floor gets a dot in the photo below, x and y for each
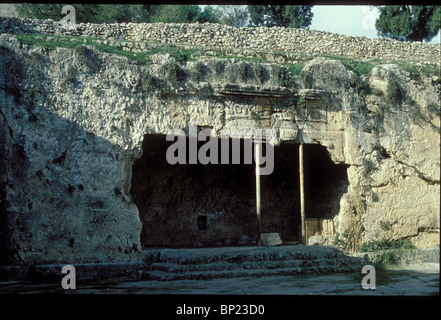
(412, 280)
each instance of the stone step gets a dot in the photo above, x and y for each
(238, 255)
(206, 275)
(167, 272)
(227, 262)
(216, 266)
(174, 271)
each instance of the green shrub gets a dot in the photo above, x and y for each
(339, 240)
(301, 102)
(296, 69)
(286, 78)
(387, 257)
(385, 244)
(384, 225)
(364, 67)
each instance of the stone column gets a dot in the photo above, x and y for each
(302, 195)
(257, 160)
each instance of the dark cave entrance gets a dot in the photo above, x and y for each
(191, 205)
(194, 205)
(325, 182)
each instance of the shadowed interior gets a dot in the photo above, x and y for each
(191, 205)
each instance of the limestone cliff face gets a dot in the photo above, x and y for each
(73, 122)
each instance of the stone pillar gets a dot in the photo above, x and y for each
(302, 195)
(257, 160)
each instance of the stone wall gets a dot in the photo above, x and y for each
(252, 38)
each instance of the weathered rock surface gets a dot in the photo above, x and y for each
(73, 121)
(316, 239)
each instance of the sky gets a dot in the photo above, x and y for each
(348, 20)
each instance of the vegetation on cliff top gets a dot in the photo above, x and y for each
(185, 54)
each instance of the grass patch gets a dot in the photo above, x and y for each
(51, 45)
(387, 252)
(416, 70)
(180, 55)
(74, 42)
(358, 67)
(365, 67)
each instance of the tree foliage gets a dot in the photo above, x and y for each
(234, 16)
(280, 15)
(408, 23)
(112, 13)
(176, 14)
(93, 13)
(209, 14)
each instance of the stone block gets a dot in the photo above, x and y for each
(316, 239)
(270, 239)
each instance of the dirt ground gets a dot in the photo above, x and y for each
(412, 280)
(397, 291)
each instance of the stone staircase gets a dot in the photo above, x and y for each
(229, 262)
(223, 262)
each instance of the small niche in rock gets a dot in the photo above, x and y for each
(202, 223)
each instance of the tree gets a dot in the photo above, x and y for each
(297, 16)
(257, 15)
(42, 11)
(118, 13)
(94, 13)
(234, 16)
(278, 15)
(176, 14)
(408, 23)
(209, 14)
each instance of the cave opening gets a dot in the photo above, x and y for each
(196, 205)
(192, 205)
(325, 182)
